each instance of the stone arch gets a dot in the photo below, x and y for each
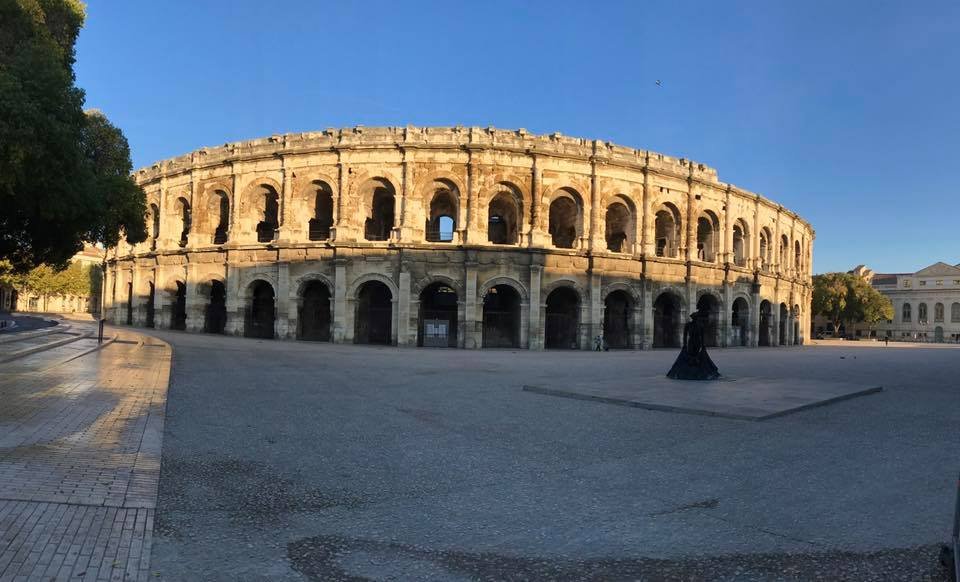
(366, 278)
(248, 196)
(797, 257)
(740, 252)
(565, 217)
(795, 318)
(377, 204)
(668, 228)
(424, 282)
(503, 280)
(259, 210)
(505, 214)
(620, 224)
(711, 302)
(314, 309)
(668, 312)
(374, 306)
(631, 290)
(214, 291)
(260, 300)
(766, 323)
(740, 320)
(318, 195)
(562, 308)
(708, 236)
(301, 282)
(563, 282)
(619, 315)
(442, 209)
(247, 279)
(184, 214)
(765, 246)
(438, 314)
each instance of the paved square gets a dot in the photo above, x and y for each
(739, 398)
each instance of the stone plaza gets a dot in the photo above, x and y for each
(305, 461)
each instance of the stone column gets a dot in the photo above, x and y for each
(282, 329)
(724, 321)
(471, 230)
(775, 322)
(404, 337)
(690, 233)
(195, 302)
(647, 224)
(139, 310)
(473, 332)
(755, 318)
(646, 313)
(235, 302)
(340, 330)
(535, 334)
(596, 312)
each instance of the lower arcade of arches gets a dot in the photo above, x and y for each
(442, 312)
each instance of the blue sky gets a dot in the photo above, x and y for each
(846, 112)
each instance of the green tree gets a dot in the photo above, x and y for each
(64, 174)
(846, 298)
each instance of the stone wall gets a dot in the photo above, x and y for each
(584, 237)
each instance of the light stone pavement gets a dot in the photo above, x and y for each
(298, 461)
(80, 439)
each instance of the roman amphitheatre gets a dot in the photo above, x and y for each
(459, 237)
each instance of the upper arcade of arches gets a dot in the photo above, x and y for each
(465, 186)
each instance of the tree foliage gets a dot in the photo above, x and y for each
(76, 279)
(64, 174)
(847, 298)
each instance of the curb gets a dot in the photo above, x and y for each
(105, 343)
(58, 328)
(42, 348)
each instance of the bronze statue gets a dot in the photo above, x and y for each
(693, 363)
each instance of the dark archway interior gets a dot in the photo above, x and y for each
(783, 324)
(267, 228)
(374, 316)
(178, 319)
(618, 223)
(666, 321)
(260, 313)
(443, 217)
(319, 227)
(765, 320)
(562, 326)
(437, 321)
(501, 317)
(740, 321)
(314, 316)
(129, 303)
(711, 306)
(502, 220)
(216, 316)
(380, 223)
(186, 220)
(151, 306)
(617, 316)
(563, 222)
(223, 219)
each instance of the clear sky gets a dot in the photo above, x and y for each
(847, 112)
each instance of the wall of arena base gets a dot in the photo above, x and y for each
(647, 285)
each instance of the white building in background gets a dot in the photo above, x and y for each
(926, 304)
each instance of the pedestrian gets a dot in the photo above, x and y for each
(886, 341)
(598, 343)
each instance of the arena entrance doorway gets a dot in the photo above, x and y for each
(617, 316)
(216, 316)
(562, 326)
(178, 319)
(374, 315)
(260, 313)
(501, 317)
(437, 322)
(666, 321)
(314, 317)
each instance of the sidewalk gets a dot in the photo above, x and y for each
(80, 445)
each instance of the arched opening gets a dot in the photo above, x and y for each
(764, 250)
(618, 319)
(562, 325)
(501, 317)
(710, 306)
(905, 315)
(151, 305)
(313, 321)
(783, 325)
(938, 334)
(938, 313)
(922, 313)
(268, 225)
(129, 303)
(319, 225)
(442, 219)
(797, 259)
(784, 253)
(184, 214)
(707, 237)
(437, 321)
(221, 207)
(955, 313)
(260, 311)
(374, 316)
(379, 224)
(739, 244)
(766, 319)
(619, 227)
(503, 219)
(666, 321)
(178, 319)
(215, 320)
(564, 217)
(667, 231)
(154, 226)
(795, 316)
(740, 322)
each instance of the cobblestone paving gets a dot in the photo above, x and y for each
(80, 445)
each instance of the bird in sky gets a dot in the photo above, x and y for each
(659, 84)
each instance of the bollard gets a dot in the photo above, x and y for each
(100, 334)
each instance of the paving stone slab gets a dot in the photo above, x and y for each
(744, 398)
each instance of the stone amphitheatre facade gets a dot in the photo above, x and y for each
(459, 237)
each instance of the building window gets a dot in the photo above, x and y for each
(922, 313)
(905, 315)
(940, 283)
(907, 282)
(956, 281)
(923, 283)
(955, 313)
